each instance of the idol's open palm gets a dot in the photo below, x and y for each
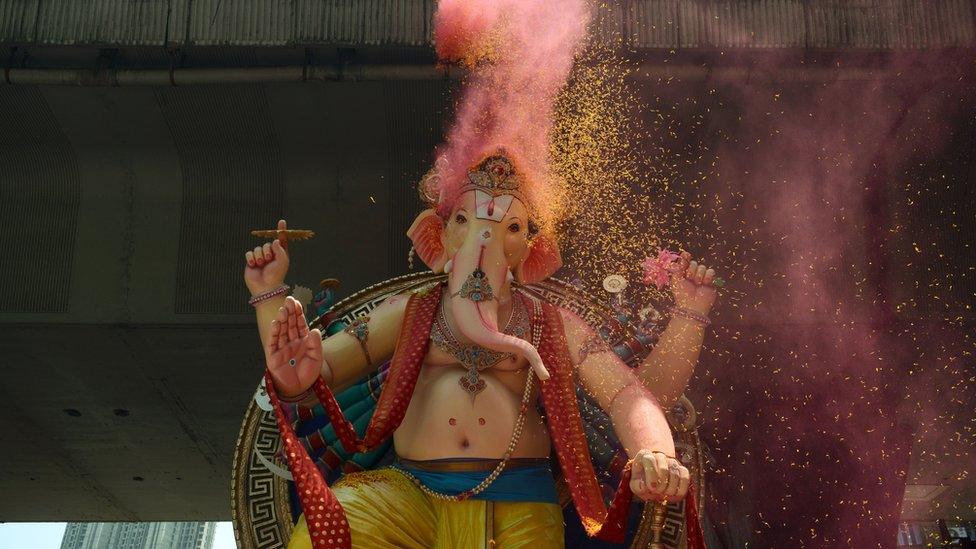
(293, 352)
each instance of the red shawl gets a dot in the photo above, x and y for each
(326, 520)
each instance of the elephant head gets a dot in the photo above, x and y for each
(486, 240)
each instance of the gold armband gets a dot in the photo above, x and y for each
(595, 344)
(359, 329)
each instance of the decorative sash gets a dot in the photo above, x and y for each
(327, 524)
(326, 520)
(569, 440)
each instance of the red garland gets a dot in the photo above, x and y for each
(696, 539)
(569, 439)
(327, 524)
(411, 348)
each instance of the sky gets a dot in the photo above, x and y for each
(47, 535)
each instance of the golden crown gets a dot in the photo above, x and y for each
(495, 174)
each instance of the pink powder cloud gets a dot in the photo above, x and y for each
(508, 101)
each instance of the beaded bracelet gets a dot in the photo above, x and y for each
(688, 313)
(268, 295)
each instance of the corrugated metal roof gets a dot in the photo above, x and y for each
(762, 23)
(242, 23)
(278, 22)
(128, 22)
(17, 20)
(858, 24)
(891, 23)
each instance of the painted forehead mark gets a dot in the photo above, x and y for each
(492, 207)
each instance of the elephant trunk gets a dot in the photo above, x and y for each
(478, 271)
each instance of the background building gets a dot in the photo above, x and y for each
(138, 535)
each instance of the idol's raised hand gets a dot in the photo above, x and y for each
(692, 284)
(292, 351)
(267, 265)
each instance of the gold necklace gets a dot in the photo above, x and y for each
(475, 358)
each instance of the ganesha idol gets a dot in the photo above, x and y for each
(478, 377)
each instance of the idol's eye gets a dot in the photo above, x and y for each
(460, 219)
(514, 227)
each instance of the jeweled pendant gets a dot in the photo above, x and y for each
(476, 287)
(472, 383)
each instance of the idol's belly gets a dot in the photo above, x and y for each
(442, 421)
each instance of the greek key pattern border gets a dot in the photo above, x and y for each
(259, 499)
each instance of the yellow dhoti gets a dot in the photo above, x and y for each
(385, 509)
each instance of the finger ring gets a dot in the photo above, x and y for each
(673, 467)
(291, 362)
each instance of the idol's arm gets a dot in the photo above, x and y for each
(265, 312)
(638, 419)
(345, 355)
(672, 362)
(343, 358)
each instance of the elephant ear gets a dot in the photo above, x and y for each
(542, 260)
(426, 236)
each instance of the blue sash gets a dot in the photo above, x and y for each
(533, 483)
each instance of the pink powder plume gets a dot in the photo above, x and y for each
(523, 50)
(459, 30)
